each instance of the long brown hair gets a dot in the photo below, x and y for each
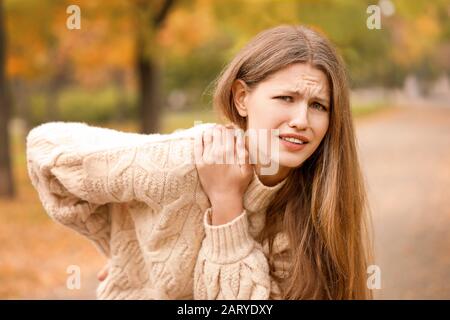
(322, 207)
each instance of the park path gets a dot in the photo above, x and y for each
(405, 154)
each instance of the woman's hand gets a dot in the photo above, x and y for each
(103, 273)
(224, 171)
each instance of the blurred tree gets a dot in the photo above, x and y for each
(35, 59)
(6, 177)
(149, 20)
(150, 49)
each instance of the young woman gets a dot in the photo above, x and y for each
(178, 222)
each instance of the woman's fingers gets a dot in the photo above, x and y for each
(217, 145)
(229, 143)
(240, 149)
(103, 273)
(207, 145)
(220, 145)
(198, 149)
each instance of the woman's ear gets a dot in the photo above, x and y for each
(240, 91)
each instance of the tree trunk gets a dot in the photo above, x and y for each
(150, 97)
(54, 89)
(6, 177)
(21, 102)
(122, 103)
(148, 70)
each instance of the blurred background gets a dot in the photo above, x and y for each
(149, 66)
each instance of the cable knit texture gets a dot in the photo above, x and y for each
(139, 200)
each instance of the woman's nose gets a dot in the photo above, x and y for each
(299, 117)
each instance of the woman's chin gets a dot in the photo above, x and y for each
(290, 160)
(284, 160)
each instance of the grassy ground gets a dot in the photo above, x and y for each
(35, 252)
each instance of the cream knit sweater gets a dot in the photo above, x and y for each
(139, 199)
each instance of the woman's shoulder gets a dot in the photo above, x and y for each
(170, 151)
(58, 128)
(190, 132)
(180, 144)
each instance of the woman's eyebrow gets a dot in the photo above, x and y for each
(321, 100)
(296, 92)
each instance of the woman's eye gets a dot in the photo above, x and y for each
(285, 98)
(318, 106)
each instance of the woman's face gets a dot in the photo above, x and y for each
(294, 100)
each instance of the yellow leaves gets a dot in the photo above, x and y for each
(40, 43)
(415, 38)
(428, 26)
(15, 66)
(187, 28)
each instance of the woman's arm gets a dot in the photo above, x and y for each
(82, 172)
(96, 164)
(231, 265)
(226, 208)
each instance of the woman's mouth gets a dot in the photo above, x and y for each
(292, 144)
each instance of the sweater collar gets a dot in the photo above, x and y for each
(258, 196)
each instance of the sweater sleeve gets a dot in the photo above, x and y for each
(81, 172)
(231, 265)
